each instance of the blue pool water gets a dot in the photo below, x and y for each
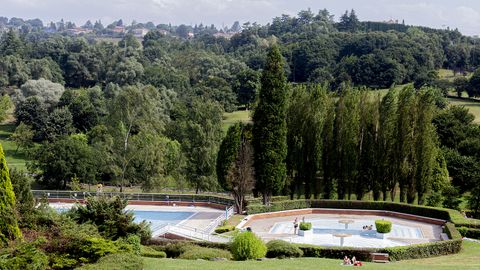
(157, 219)
(160, 218)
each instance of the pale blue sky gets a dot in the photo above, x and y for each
(461, 14)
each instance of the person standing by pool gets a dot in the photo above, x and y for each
(295, 226)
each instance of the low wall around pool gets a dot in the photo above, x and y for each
(309, 211)
(156, 203)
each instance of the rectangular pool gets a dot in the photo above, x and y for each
(158, 219)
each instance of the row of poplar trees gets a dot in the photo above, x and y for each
(350, 145)
(309, 141)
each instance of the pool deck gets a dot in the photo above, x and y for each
(263, 226)
(201, 219)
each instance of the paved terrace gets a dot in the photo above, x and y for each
(281, 227)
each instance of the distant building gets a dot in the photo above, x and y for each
(118, 29)
(140, 32)
(190, 35)
(78, 31)
(163, 32)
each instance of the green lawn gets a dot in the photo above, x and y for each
(14, 159)
(473, 106)
(465, 260)
(235, 117)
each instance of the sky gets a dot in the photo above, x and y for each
(461, 14)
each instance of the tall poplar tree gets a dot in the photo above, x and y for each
(426, 143)
(405, 143)
(269, 130)
(8, 222)
(386, 145)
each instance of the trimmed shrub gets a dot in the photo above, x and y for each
(362, 254)
(224, 229)
(452, 231)
(469, 232)
(424, 250)
(121, 261)
(383, 226)
(196, 253)
(247, 246)
(147, 251)
(282, 249)
(305, 226)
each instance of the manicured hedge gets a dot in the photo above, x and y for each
(469, 232)
(202, 253)
(361, 254)
(273, 199)
(395, 253)
(282, 249)
(224, 229)
(152, 253)
(432, 212)
(383, 226)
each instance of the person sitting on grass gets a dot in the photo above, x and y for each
(347, 261)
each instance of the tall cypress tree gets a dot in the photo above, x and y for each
(270, 129)
(8, 222)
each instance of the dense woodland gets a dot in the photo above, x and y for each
(149, 113)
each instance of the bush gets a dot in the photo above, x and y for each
(121, 261)
(282, 249)
(246, 246)
(110, 217)
(383, 226)
(469, 232)
(224, 229)
(196, 253)
(131, 244)
(305, 226)
(177, 249)
(147, 251)
(424, 250)
(362, 254)
(24, 256)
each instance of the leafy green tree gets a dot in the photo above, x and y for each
(405, 142)
(59, 123)
(133, 110)
(25, 202)
(269, 130)
(474, 84)
(46, 91)
(200, 133)
(426, 144)
(127, 72)
(11, 44)
(235, 164)
(57, 163)
(8, 225)
(32, 112)
(5, 106)
(347, 130)
(23, 137)
(386, 145)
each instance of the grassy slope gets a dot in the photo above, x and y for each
(465, 260)
(14, 159)
(473, 107)
(235, 117)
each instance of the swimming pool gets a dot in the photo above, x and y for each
(158, 219)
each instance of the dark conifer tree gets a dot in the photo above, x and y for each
(269, 130)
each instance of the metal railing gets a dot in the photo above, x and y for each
(219, 220)
(153, 197)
